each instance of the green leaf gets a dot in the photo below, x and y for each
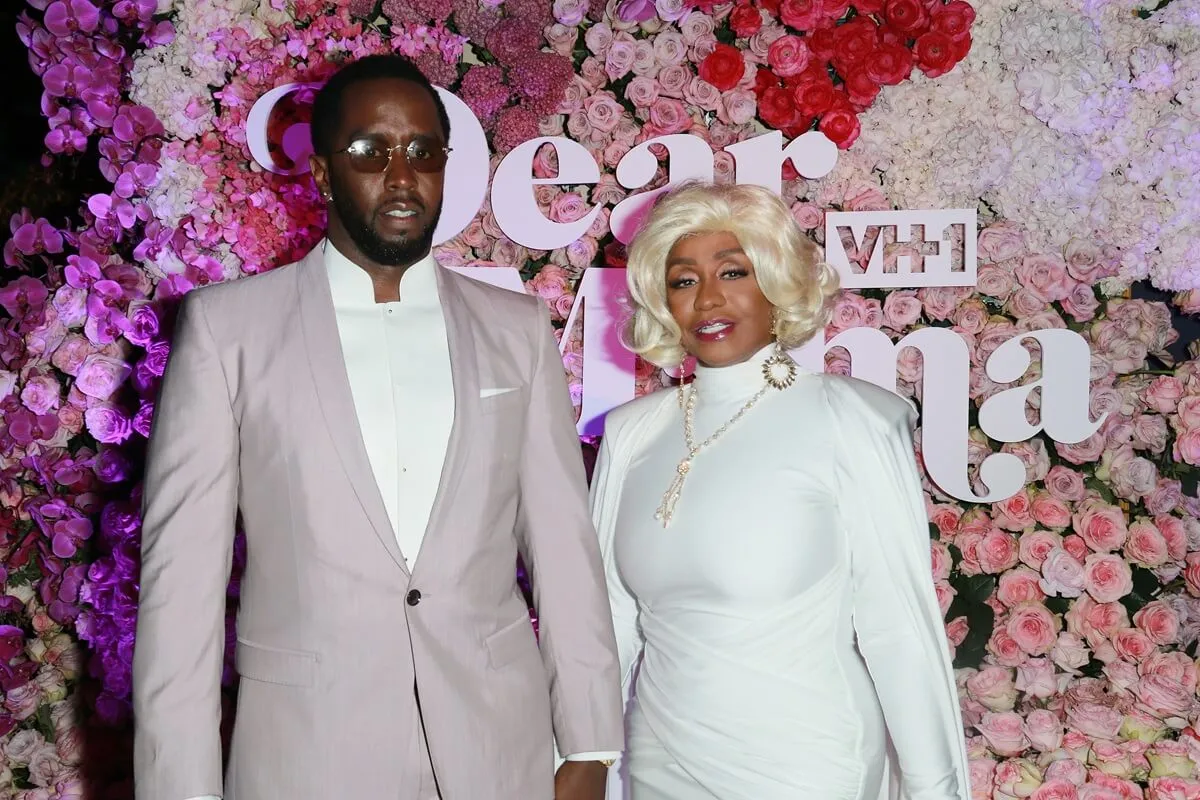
(975, 589)
(20, 778)
(1099, 486)
(981, 621)
(44, 723)
(1059, 605)
(1092, 669)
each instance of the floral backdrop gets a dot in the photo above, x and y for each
(1073, 607)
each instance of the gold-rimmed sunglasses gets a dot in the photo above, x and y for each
(422, 153)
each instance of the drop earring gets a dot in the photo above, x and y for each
(779, 370)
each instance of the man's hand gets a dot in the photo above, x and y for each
(580, 780)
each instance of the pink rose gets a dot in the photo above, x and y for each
(1159, 622)
(1083, 452)
(997, 551)
(1062, 574)
(1004, 649)
(940, 560)
(642, 92)
(644, 63)
(1166, 497)
(993, 688)
(567, 207)
(71, 354)
(1081, 302)
(562, 38)
(1146, 545)
(696, 26)
(1017, 778)
(1163, 394)
(42, 394)
(901, 309)
(1036, 678)
(618, 61)
(1066, 484)
(1084, 260)
(1150, 433)
(1015, 513)
(738, 107)
(994, 281)
(1165, 699)
(1187, 447)
(1130, 475)
(982, 777)
(1065, 770)
(1111, 759)
(1174, 533)
(669, 116)
(669, 48)
(1044, 730)
(945, 595)
(569, 12)
(1018, 586)
(940, 301)
(603, 111)
(1075, 546)
(599, 38)
(1132, 645)
(849, 311)
(1004, 732)
(1070, 652)
(1174, 666)
(972, 316)
(1055, 790)
(702, 94)
(1000, 242)
(946, 518)
(1033, 628)
(1108, 577)
(22, 746)
(23, 701)
(1095, 720)
(1035, 546)
(1102, 526)
(1046, 276)
(1051, 512)
(1188, 410)
(1025, 302)
(788, 55)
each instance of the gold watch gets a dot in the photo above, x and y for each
(608, 762)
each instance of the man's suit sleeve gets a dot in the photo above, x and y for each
(563, 558)
(188, 518)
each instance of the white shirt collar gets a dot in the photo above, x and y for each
(352, 288)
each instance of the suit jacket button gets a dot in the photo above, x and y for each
(413, 598)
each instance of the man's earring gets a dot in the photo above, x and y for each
(779, 370)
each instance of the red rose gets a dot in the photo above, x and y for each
(788, 55)
(770, 6)
(953, 19)
(890, 64)
(868, 6)
(860, 88)
(614, 254)
(841, 127)
(823, 44)
(935, 53)
(906, 16)
(764, 79)
(834, 9)
(745, 20)
(723, 67)
(962, 46)
(853, 43)
(891, 36)
(776, 109)
(803, 15)
(813, 94)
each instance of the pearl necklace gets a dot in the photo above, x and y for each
(671, 498)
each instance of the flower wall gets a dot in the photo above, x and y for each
(1073, 607)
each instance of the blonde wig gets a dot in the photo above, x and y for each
(787, 264)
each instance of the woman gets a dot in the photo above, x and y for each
(765, 536)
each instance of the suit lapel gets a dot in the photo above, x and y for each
(464, 369)
(328, 365)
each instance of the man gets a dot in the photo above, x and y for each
(394, 434)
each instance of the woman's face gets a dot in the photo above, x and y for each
(714, 297)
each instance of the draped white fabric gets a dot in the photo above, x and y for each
(788, 611)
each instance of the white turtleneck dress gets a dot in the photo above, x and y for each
(783, 634)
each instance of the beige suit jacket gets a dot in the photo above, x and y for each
(334, 633)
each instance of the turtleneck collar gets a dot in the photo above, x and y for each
(736, 382)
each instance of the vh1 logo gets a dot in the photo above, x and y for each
(907, 249)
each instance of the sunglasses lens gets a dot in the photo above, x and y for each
(425, 156)
(366, 156)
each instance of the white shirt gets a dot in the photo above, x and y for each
(398, 364)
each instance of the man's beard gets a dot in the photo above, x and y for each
(379, 250)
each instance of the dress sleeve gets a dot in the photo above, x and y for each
(609, 474)
(605, 493)
(899, 625)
